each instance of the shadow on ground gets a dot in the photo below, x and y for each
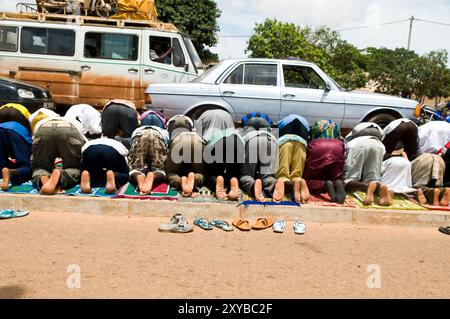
(12, 292)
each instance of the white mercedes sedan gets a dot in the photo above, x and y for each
(277, 88)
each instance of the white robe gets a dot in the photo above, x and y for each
(397, 175)
(433, 136)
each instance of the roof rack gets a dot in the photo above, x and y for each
(87, 20)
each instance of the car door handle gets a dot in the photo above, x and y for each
(132, 70)
(228, 93)
(85, 68)
(288, 96)
(149, 71)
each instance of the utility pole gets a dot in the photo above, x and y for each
(410, 31)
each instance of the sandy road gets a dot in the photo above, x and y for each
(124, 257)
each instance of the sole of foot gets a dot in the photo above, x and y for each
(297, 192)
(436, 193)
(85, 183)
(385, 196)
(278, 192)
(187, 185)
(148, 184)
(49, 188)
(234, 189)
(5, 176)
(220, 188)
(445, 198)
(304, 191)
(110, 187)
(369, 195)
(421, 197)
(259, 195)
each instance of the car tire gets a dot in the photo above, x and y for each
(382, 119)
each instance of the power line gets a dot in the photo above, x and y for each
(371, 26)
(434, 22)
(355, 28)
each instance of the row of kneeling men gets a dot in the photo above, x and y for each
(295, 159)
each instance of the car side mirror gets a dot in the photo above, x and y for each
(327, 87)
(186, 67)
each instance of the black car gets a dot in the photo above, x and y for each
(31, 96)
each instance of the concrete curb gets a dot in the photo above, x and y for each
(307, 213)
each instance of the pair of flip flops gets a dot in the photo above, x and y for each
(205, 224)
(177, 224)
(445, 230)
(280, 225)
(261, 223)
(12, 213)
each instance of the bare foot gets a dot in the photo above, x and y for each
(220, 188)
(234, 189)
(304, 191)
(446, 197)
(297, 193)
(49, 188)
(5, 176)
(85, 183)
(259, 195)
(44, 179)
(421, 197)
(147, 185)
(278, 192)
(369, 195)
(385, 197)
(436, 193)
(187, 185)
(110, 187)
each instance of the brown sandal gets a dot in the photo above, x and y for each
(241, 224)
(263, 223)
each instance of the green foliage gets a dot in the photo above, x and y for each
(403, 72)
(198, 19)
(340, 59)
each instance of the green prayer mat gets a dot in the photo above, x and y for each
(400, 202)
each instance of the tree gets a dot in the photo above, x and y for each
(392, 71)
(337, 57)
(198, 19)
(403, 72)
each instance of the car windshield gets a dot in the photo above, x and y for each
(193, 53)
(338, 85)
(205, 74)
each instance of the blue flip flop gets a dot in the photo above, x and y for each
(11, 213)
(222, 225)
(203, 223)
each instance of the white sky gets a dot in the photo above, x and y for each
(239, 18)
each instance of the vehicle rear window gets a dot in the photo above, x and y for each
(8, 39)
(112, 46)
(260, 74)
(47, 41)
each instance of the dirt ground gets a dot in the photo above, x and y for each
(124, 257)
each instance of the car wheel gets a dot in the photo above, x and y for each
(382, 119)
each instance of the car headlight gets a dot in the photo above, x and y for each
(44, 94)
(25, 94)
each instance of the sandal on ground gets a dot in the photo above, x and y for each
(173, 223)
(203, 223)
(279, 226)
(445, 230)
(11, 213)
(222, 224)
(299, 227)
(241, 224)
(263, 223)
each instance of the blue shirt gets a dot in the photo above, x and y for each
(19, 129)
